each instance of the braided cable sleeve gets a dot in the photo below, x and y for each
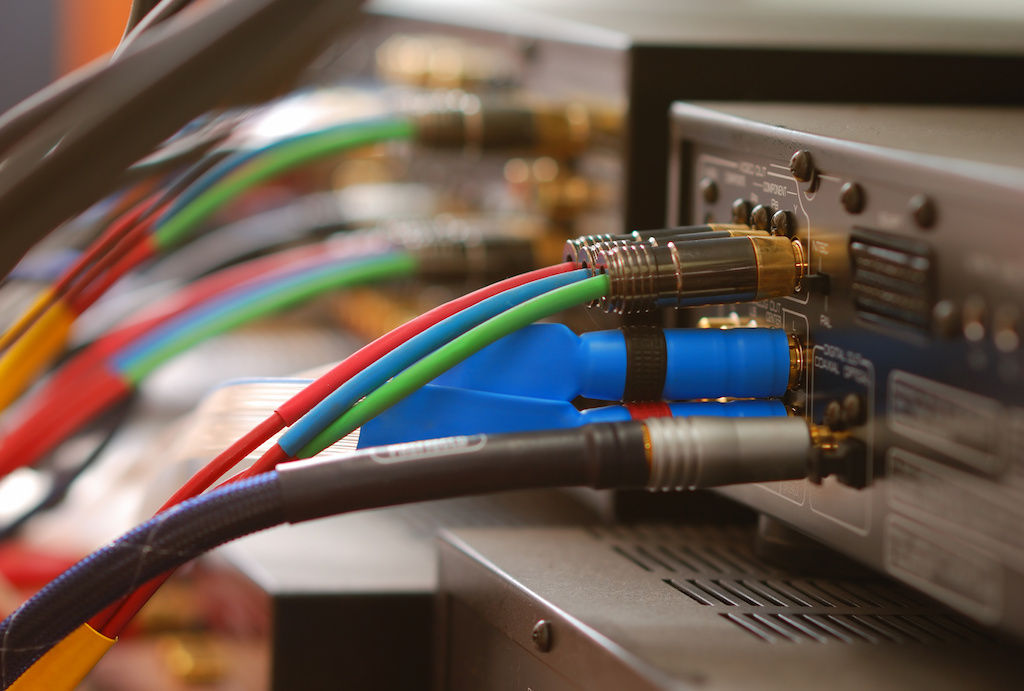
(164, 542)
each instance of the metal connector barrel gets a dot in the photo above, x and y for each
(701, 272)
(554, 130)
(455, 248)
(699, 452)
(584, 249)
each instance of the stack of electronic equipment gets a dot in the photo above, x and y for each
(458, 184)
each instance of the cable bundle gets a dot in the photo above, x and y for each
(658, 454)
(186, 65)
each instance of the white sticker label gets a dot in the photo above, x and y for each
(946, 568)
(957, 423)
(415, 450)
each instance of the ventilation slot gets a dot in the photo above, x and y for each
(650, 558)
(697, 597)
(688, 565)
(716, 592)
(704, 562)
(813, 599)
(623, 553)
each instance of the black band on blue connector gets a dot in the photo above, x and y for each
(646, 363)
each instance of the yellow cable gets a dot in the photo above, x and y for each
(41, 303)
(31, 353)
(67, 663)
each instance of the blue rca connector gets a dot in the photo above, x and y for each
(442, 411)
(639, 363)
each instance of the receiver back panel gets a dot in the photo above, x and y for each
(911, 219)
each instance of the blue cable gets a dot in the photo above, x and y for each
(230, 301)
(240, 158)
(332, 407)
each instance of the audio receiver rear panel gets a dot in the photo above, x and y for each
(910, 317)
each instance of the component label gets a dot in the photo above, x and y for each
(957, 423)
(948, 569)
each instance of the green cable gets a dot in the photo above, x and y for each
(446, 357)
(265, 167)
(387, 267)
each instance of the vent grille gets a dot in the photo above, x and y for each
(715, 568)
(775, 627)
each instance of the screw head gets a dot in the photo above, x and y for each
(1005, 328)
(851, 196)
(782, 224)
(946, 319)
(801, 165)
(922, 209)
(708, 190)
(741, 212)
(853, 410)
(833, 414)
(541, 635)
(761, 217)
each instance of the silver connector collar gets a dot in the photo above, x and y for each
(699, 452)
(634, 276)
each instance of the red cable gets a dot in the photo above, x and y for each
(116, 616)
(111, 237)
(56, 419)
(84, 386)
(225, 461)
(300, 404)
(135, 250)
(113, 619)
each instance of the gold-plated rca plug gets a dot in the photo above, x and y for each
(466, 248)
(838, 454)
(700, 272)
(560, 131)
(584, 249)
(781, 266)
(797, 361)
(441, 62)
(824, 438)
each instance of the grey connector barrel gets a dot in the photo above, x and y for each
(699, 452)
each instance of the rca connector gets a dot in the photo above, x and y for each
(700, 452)
(458, 248)
(701, 272)
(585, 249)
(554, 130)
(635, 363)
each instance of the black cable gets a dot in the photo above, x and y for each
(661, 454)
(598, 456)
(144, 15)
(186, 149)
(63, 478)
(193, 61)
(138, 10)
(32, 112)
